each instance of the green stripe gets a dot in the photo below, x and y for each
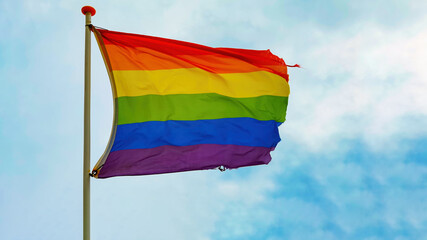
(199, 106)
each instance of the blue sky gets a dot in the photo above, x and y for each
(352, 163)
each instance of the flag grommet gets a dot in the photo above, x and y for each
(222, 168)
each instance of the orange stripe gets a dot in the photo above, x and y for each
(141, 58)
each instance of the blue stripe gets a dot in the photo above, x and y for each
(237, 131)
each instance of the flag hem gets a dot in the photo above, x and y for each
(105, 57)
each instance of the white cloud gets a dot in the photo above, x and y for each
(368, 84)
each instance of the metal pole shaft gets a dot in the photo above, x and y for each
(86, 140)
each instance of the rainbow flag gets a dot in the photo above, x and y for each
(181, 106)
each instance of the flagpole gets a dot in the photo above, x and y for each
(88, 12)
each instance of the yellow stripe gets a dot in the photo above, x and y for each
(195, 80)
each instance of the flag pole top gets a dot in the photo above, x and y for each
(89, 9)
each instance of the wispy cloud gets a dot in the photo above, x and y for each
(366, 85)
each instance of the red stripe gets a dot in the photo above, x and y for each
(190, 54)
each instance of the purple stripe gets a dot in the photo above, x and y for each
(168, 159)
